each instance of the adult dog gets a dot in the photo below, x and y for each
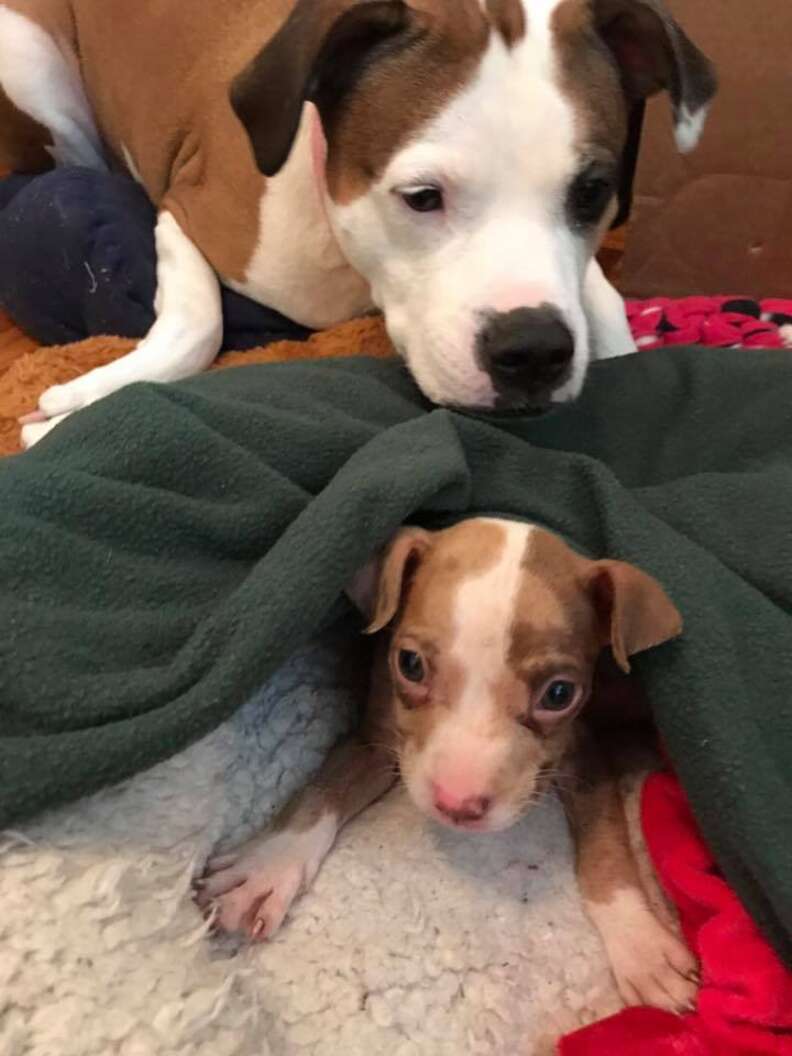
(452, 162)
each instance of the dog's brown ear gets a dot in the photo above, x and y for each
(635, 612)
(378, 587)
(654, 54)
(316, 55)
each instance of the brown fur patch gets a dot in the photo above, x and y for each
(590, 81)
(192, 154)
(23, 141)
(402, 91)
(554, 616)
(508, 17)
(168, 106)
(457, 554)
(605, 862)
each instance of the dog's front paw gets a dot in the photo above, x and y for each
(653, 967)
(71, 396)
(250, 891)
(33, 428)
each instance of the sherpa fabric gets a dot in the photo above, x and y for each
(77, 259)
(165, 550)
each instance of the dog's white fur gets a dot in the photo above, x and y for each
(313, 285)
(189, 325)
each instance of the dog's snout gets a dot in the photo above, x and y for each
(459, 809)
(527, 352)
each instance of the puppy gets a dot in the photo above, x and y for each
(488, 638)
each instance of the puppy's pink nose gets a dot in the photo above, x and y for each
(459, 808)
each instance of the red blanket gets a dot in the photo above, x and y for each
(721, 322)
(745, 1002)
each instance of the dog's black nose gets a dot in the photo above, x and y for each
(527, 352)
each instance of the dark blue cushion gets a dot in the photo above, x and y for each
(77, 259)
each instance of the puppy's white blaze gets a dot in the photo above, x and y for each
(688, 127)
(462, 752)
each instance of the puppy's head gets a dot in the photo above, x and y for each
(473, 153)
(494, 629)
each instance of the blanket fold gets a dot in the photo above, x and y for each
(166, 549)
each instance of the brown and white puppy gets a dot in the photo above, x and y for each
(451, 162)
(489, 633)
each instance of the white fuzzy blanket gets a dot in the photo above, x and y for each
(414, 941)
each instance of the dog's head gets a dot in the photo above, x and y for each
(472, 161)
(494, 629)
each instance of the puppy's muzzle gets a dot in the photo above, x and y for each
(528, 354)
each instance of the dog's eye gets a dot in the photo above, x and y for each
(411, 665)
(423, 199)
(588, 197)
(559, 696)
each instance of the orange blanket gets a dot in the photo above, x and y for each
(26, 371)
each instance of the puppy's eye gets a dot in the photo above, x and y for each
(423, 199)
(559, 696)
(411, 665)
(588, 197)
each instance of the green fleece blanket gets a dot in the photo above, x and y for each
(164, 551)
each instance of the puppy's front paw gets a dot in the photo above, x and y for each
(653, 967)
(251, 890)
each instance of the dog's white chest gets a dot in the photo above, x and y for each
(297, 266)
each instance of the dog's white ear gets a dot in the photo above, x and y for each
(316, 56)
(635, 612)
(654, 55)
(377, 589)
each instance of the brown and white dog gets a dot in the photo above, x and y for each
(451, 162)
(489, 633)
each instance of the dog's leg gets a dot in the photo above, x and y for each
(44, 83)
(650, 964)
(251, 889)
(607, 318)
(183, 341)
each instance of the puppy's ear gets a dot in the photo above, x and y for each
(378, 587)
(634, 611)
(654, 55)
(316, 55)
